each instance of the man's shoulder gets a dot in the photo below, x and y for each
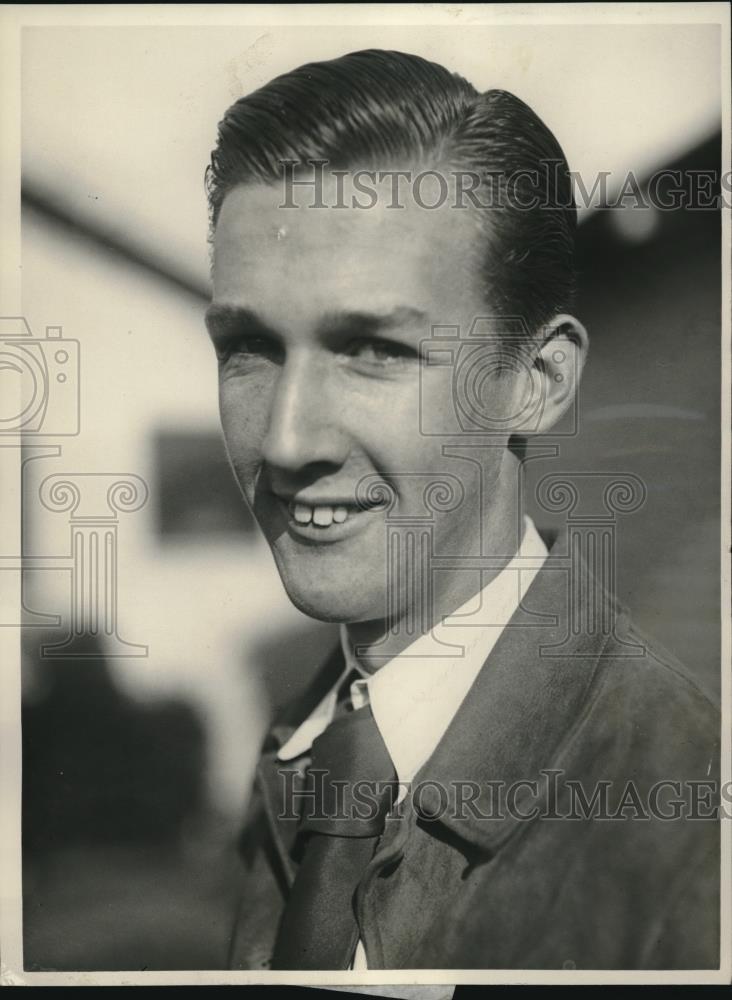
(651, 708)
(634, 703)
(640, 663)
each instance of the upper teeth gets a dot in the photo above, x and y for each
(322, 515)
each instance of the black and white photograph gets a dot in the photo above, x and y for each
(365, 441)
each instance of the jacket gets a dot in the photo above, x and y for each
(567, 819)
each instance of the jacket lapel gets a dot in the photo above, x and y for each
(524, 702)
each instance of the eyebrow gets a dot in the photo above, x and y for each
(223, 320)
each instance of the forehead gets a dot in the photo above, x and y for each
(356, 258)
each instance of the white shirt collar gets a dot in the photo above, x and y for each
(415, 696)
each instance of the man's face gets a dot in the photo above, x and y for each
(318, 319)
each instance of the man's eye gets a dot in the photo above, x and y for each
(254, 345)
(380, 352)
(246, 347)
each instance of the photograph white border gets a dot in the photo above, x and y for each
(13, 18)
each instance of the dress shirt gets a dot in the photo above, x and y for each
(415, 695)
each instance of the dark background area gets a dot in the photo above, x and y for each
(650, 405)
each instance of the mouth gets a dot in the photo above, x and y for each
(328, 520)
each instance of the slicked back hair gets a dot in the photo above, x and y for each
(382, 109)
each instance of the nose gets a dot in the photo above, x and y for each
(304, 427)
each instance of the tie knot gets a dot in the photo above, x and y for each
(352, 778)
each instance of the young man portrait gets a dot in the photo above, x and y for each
(493, 768)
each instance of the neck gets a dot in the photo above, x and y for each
(380, 640)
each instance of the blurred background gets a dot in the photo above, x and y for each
(140, 737)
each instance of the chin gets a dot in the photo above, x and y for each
(335, 605)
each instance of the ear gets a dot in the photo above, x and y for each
(556, 370)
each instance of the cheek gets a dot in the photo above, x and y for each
(244, 419)
(380, 419)
(244, 410)
(396, 429)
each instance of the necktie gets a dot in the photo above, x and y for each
(354, 785)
